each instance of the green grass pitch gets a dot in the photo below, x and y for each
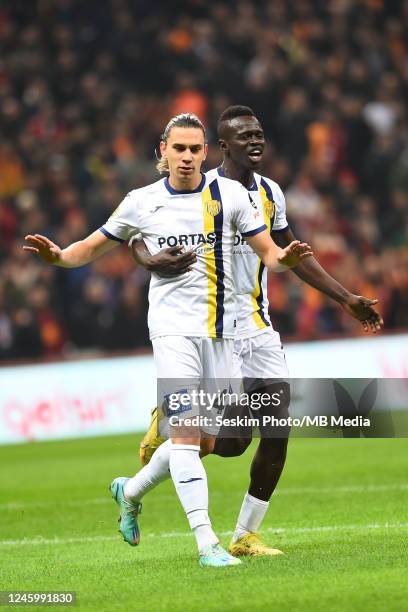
(340, 515)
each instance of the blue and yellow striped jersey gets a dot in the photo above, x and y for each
(250, 276)
(199, 303)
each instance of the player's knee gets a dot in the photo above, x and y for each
(231, 447)
(206, 446)
(241, 444)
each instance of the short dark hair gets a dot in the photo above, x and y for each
(236, 111)
(232, 112)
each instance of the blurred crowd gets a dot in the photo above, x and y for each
(86, 88)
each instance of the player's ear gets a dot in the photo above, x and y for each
(205, 151)
(162, 148)
(223, 144)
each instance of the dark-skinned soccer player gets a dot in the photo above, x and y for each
(258, 354)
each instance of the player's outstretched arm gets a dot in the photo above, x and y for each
(312, 273)
(361, 308)
(275, 258)
(75, 255)
(167, 262)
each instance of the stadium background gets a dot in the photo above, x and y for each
(86, 87)
(85, 90)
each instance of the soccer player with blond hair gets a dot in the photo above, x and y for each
(191, 316)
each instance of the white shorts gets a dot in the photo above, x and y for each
(259, 362)
(260, 358)
(186, 365)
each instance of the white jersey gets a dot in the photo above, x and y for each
(250, 276)
(199, 303)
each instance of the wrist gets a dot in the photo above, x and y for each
(60, 261)
(278, 265)
(143, 258)
(345, 298)
(148, 263)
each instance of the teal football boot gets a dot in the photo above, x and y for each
(214, 555)
(129, 512)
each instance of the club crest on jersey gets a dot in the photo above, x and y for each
(269, 206)
(213, 207)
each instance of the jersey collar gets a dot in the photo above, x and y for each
(184, 191)
(253, 187)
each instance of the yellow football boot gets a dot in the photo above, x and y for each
(251, 545)
(152, 440)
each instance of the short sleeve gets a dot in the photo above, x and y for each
(123, 222)
(248, 217)
(280, 222)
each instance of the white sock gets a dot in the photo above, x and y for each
(250, 516)
(190, 480)
(156, 471)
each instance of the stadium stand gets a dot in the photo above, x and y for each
(85, 89)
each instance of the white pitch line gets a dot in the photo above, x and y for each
(56, 503)
(16, 505)
(39, 540)
(295, 530)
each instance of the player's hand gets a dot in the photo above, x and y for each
(43, 247)
(361, 308)
(172, 261)
(294, 253)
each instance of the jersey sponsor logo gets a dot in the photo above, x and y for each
(213, 207)
(156, 208)
(239, 240)
(187, 240)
